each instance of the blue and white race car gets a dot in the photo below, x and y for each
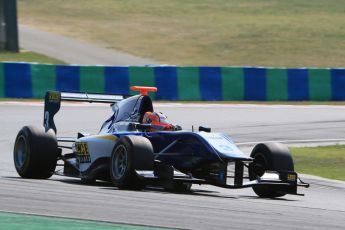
(136, 147)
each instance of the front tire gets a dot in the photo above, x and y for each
(35, 152)
(269, 157)
(130, 153)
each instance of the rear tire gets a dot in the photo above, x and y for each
(269, 157)
(130, 153)
(35, 152)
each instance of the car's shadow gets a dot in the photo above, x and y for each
(78, 181)
(154, 189)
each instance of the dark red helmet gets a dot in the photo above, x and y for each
(158, 121)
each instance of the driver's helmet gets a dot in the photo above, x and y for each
(158, 121)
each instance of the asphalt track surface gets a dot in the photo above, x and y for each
(207, 207)
(74, 51)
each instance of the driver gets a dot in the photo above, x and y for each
(158, 121)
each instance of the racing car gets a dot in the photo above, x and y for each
(138, 147)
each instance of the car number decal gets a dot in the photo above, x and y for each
(82, 151)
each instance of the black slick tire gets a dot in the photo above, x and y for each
(130, 153)
(269, 157)
(35, 152)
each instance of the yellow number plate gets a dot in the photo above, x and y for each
(82, 151)
(291, 177)
(54, 97)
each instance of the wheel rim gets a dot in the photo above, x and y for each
(20, 153)
(120, 162)
(260, 161)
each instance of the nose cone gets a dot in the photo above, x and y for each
(224, 146)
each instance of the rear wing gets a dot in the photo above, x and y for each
(52, 103)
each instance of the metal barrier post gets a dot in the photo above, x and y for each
(8, 26)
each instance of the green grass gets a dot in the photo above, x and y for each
(25, 56)
(328, 161)
(291, 33)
